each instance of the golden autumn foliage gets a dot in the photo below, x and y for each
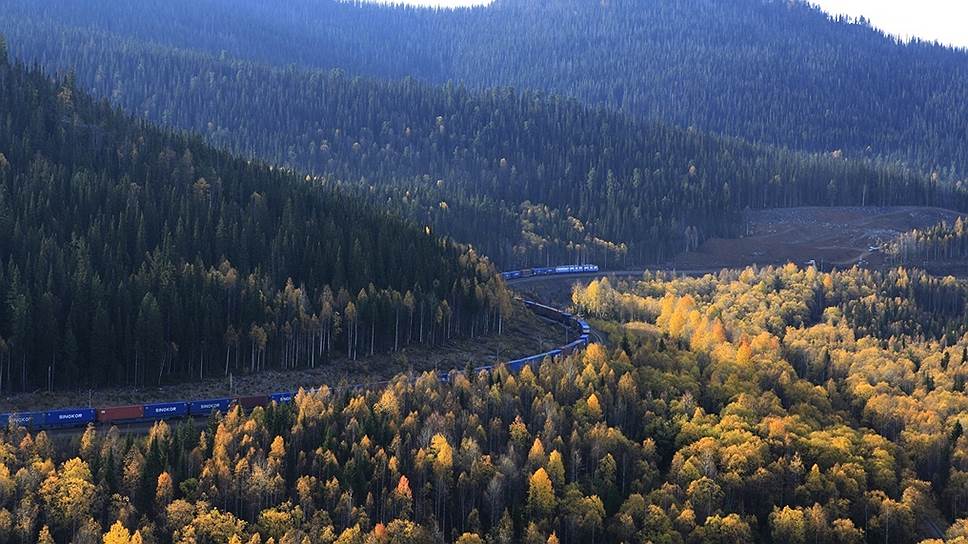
(594, 355)
(556, 468)
(118, 534)
(793, 406)
(403, 488)
(536, 456)
(541, 495)
(443, 454)
(594, 406)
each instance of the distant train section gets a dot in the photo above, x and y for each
(140, 413)
(550, 271)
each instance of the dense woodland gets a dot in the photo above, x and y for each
(869, 359)
(129, 255)
(942, 242)
(778, 72)
(526, 178)
(759, 406)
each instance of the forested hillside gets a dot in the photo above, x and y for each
(527, 178)
(765, 406)
(129, 255)
(862, 375)
(942, 242)
(778, 72)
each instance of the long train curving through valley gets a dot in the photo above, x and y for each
(66, 418)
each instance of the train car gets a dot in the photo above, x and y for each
(165, 410)
(69, 417)
(76, 417)
(547, 311)
(518, 364)
(283, 398)
(120, 413)
(576, 269)
(568, 349)
(207, 406)
(250, 402)
(574, 346)
(28, 420)
(515, 365)
(550, 271)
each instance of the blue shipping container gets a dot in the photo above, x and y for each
(206, 407)
(164, 410)
(69, 417)
(282, 398)
(25, 419)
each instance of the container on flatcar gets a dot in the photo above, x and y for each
(28, 420)
(120, 413)
(165, 410)
(206, 407)
(282, 398)
(572, 347)
(252, 401)
(69, 417)
(516, 365)
(547, 311)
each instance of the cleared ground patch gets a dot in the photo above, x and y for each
(832, 237)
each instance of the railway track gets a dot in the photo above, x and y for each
(633, 273)
(138, 419)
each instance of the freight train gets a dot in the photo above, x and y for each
(550, 271)
(64, 418)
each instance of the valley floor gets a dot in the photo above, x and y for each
(833, 237)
